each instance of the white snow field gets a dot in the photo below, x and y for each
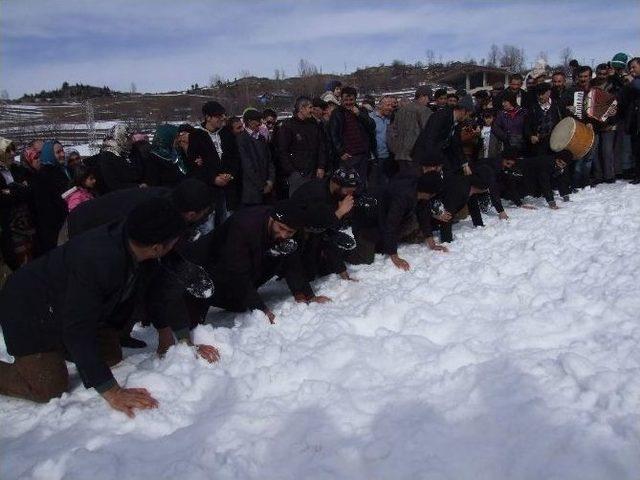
(514, 356)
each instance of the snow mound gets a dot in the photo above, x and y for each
(513, 356)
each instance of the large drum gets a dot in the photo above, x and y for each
(570, 134)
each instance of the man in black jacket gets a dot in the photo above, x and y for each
(440, 140)
(400, 215)
(353, 134)
(543, 115)
(225, 164)
(75, 299)
(192, 199)
(330, 201)
(302, 146)
(243, 259)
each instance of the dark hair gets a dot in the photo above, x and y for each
(440, 92)
(488, 113)
(319, 103)
(212, 109)
(602, 66)
(233, 120)
(511, 98)
(516, 76)
(559, 72)
(269, 112)
(80, 173)
(349, 91)
(453, 95)
(251, 114)
(185, 127)
(634, 59)
(584, 68)
(542, 88)
(574, 63)
(300, 101)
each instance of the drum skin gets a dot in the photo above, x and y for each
(570, 134)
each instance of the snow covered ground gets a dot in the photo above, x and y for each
(514, 356)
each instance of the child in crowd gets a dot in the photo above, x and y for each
(84, 180)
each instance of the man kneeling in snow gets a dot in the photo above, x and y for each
(401, 214)
(73, 302)
(247, 253)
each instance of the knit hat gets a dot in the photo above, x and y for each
(290, 213)
(346, 177)
(620, 60)
(332, 84)
(153, 221)
(191, 195)
(466, 103)
(423, 91)
(212, 109)
(430, 182)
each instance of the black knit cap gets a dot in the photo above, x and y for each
(191, 195)
(346, 177)
(213, 108)
(153, 221)
(430, 182)
(291, 214)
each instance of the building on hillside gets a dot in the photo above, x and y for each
(472, 77)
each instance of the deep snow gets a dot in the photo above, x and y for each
(514, 356)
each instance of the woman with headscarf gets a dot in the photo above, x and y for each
(112, 165)
(50, 207)
(17, 233)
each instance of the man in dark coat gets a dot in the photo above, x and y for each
(330, 200)
(302, 146)
(242, 258)
(192, 199)
(72, 302)
(225, 167)
(353, 133)
(398, 216)
(258, 170)
(440, 140)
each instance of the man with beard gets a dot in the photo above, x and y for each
(251, 248)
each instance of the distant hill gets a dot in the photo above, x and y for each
(77, 92)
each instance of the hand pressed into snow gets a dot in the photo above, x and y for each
(128, 399)
(208, 352)
(401, 263)
(503, 215)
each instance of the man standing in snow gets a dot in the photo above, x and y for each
(352, 133)
(408, 121)
(73, 301)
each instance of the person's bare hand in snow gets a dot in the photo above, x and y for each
(126, 400)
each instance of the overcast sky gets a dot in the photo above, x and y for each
(168, 45)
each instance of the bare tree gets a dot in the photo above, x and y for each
(431, 56)
(4, 95)
(215, 80)
(306, 68)
(512, 58)
(245, 73)
(133, 88)
(493, 56)
(544, 56)
(566, 55)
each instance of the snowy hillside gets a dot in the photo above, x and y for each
(514, 356)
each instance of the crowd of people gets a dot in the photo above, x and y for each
(202, 216)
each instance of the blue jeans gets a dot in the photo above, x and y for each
(582, 167)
